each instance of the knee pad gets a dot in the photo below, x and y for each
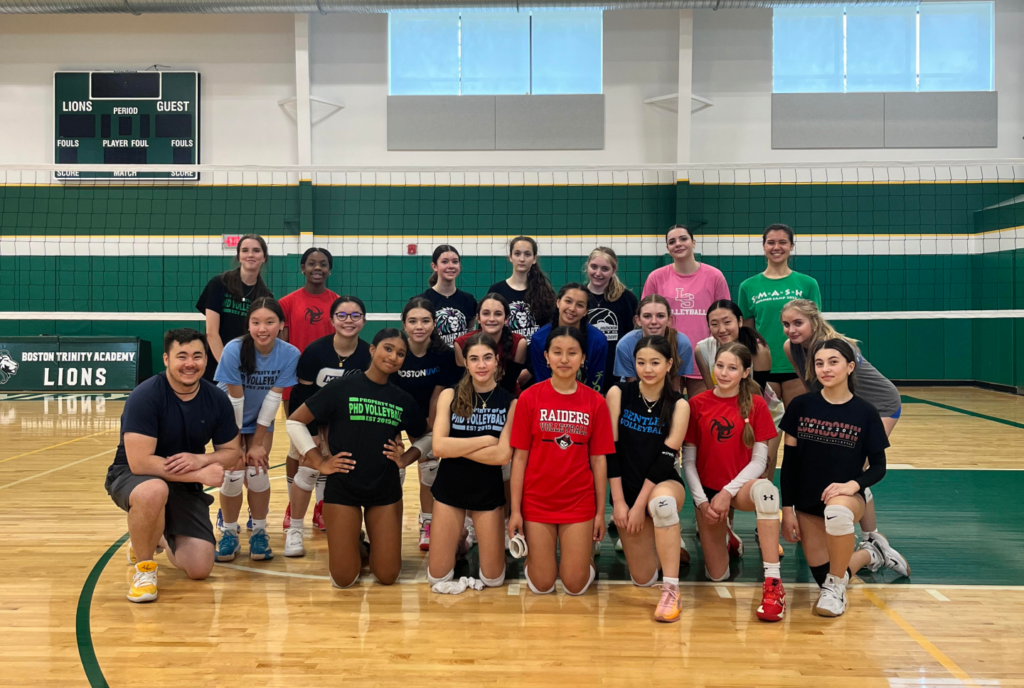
(838, 520)
(648, 583)
(305, 478)
(443, 579)
(426, 445)
(724, 576)
(401, 476)
(820, 572)
(526, 573)
(506, 472)
(491, 582)
(867, 495)
(232, 485)
(293, 453)
(766, 500)
(428, 471)
(664, 511)
(343, 587)
(593, 575)
(259, 481)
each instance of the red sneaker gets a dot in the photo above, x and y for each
(287, 517)
(733, 542)
(318, 516)
(773, 601)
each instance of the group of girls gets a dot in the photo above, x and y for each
(515, 441)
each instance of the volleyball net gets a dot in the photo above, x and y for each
(906, 240)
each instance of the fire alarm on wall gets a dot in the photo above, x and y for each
(410, 249)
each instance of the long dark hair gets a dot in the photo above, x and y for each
(505, 340)
(668, 395)
(582, 326)
(463, 402)
(232, 279)
(247, 356)
(443, 248)
(748, 336)
(845, 350)
(436, 343)
(540, 295)
(389, 333)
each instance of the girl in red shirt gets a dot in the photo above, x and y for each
(724, 455)
(560, 434)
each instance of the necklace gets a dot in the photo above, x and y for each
(650, 406)
(483, 402)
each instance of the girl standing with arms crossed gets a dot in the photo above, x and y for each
(724, 457)
(454, 308)
(561, 435)
(255, 370)
(610, 306)
(762, 298)
(689, 287)
(649, 422)
(471, 436)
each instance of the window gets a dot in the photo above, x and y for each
(935, 46)
(495, 53)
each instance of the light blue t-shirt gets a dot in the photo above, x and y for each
(625, 363)
(277, 369)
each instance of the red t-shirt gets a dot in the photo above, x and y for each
(308, 317)
(561, 432)
(516, 338)
(716, 429)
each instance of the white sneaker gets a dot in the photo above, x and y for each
(891, 559)
(293, 546)
(876, 558)
(618, 545)
(471, 538)
(597, 549)
(832, 600)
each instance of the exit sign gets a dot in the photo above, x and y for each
(231, 240)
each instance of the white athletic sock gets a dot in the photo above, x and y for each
(320, 483)
(868, 533)
(772, 571)
(295, 525)
(233, 527)
(670, 581)
(259, 524)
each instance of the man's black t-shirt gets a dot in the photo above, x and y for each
(453, 313)
(320, 363)
(832, 442)
(419, 376)
(154, 410)
(614, 319)
(361, 417)
(520, 318)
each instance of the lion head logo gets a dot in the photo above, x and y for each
(450, 323)
(8, 366)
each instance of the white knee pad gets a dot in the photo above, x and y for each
(593, 575)
(491, 582)
(343, 587)
(664, 511)
(867, 495)
(232, 485)
(259, 481)
(426, 445)
(401, 476)
(721, 578)
(506, 472)
(443, 579)
(648, 583)
(838, 520)
(305, 478)
(526, 572)
(428, 471)
(766, 500)
(293, 453)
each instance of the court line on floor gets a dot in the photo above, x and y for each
(54, 470)
(956, 409)
(54, 446)
(919, 638)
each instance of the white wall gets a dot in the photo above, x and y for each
(732, 65)
(349, 60)
(247, 63)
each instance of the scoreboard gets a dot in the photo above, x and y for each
(126, 118)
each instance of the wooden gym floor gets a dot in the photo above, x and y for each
(950, 504)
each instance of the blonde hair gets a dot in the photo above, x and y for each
(615, 286)
(748, 388)
(670, 332)
(821, 329)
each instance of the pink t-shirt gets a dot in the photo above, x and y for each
(689, 297)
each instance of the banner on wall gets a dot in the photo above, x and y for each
(68, 364)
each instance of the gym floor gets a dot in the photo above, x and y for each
(947, 504)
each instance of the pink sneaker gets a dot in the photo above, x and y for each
(669, 606)
(425, 536)
(287, 517)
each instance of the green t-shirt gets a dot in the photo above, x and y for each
(763, 299)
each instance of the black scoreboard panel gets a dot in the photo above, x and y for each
(126, 118)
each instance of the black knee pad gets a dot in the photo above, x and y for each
(820, 573)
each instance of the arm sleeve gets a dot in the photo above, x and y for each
(685, 349)
(875, 471)
(790, 471)
(227, 370)
(752, 471)
(690, 475)
(522, 424)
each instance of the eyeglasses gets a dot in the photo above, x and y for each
(355, 317)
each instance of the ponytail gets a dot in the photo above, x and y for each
(247, 355)
(443, 248)
(465, 396)
(540, 295)
(748, 389)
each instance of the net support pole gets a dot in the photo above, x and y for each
(685, 86)
(302, 107)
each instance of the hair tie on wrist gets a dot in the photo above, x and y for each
(747, 421)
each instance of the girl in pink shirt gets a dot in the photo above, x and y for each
(690, 288)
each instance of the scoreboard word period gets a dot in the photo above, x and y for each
(126, 118)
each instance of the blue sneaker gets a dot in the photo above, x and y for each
(248, 524)
(228, 546)
(220, 520)
(259, 546)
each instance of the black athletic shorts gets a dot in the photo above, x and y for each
(466, 484)
(662, 472)
(819, 508)
(781, 377)
(338, 490)
(187, 512)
